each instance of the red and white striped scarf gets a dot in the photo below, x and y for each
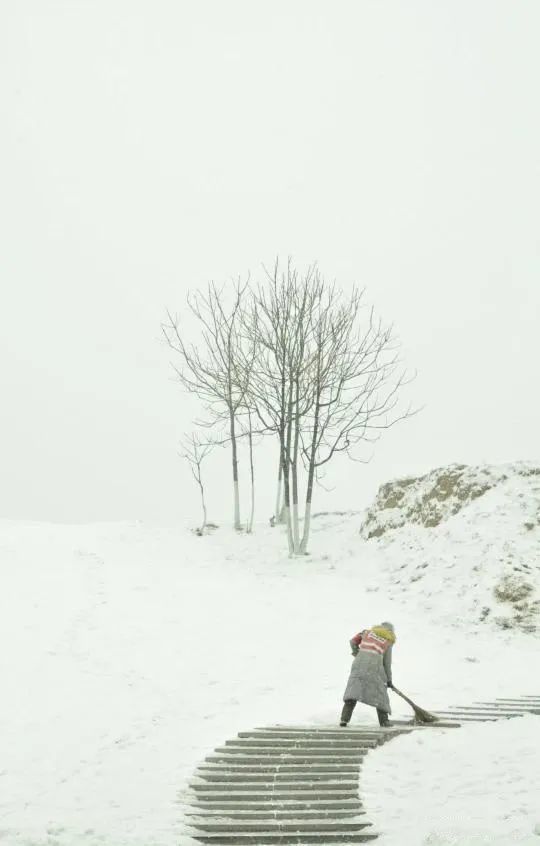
(372, 642)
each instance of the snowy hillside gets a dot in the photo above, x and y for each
(472, 532)
(127, 653)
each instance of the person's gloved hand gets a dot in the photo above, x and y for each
(389, 684)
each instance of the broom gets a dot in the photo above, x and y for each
(421, 715)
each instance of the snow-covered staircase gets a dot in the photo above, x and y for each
(496, 710)
(300, 784)
(284, 784)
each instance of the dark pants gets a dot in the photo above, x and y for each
(349, 707)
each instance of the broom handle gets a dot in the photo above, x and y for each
(406, 698)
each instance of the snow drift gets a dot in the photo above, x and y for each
(472, 532)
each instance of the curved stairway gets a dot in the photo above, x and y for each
(496, 710)
(299, 784)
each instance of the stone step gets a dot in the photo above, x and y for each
(270, 786)
(488, 709)
(237, 769)
(233, 748)
(333, 731)
(343, 742)
(531, 696)
(438, 724)
(307, 775)
(268, 838)
(333, 726)
(490, 717)
(468, 720)
(292, 805)
(463, 717)
(281, 826)
(242, 814)
(278, 795)
(506, 706)
(345, 734)
(531, 701)
(496, 706)
(490, 712)
(297, 774)
(340, 733)
(290, 752)
(299, 759)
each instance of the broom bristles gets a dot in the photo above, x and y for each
(420, 714)
(424, 716)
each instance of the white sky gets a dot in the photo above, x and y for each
(148, 147)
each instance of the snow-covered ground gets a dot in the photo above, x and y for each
(476, 786)
(127, 653)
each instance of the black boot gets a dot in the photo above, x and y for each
(347, 711)
(383, 718)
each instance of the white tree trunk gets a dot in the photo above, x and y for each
(237, 524)
(252, 513)
(249, 525)
(234, 456)
(277, 512)
(203, 527)
(307, 526)
(201, 488)
(295, 528)
(290, 538)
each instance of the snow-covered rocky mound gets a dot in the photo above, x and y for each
(472, 533)
(431, 499)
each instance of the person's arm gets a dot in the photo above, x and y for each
(387, 664)
(355, 642)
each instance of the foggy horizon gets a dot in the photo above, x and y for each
(149, 149)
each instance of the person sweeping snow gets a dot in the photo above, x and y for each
(371, 672)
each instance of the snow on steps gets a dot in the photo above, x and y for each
(299, 784)
(284, 784)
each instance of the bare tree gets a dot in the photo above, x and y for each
(194, 451)
(248, 432)
(267, 324)
(279, 514)
(323, 381)
(212, 370)
(356, 380)
(301, 361)
(278, 325)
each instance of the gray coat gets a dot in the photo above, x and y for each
(367, 682)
